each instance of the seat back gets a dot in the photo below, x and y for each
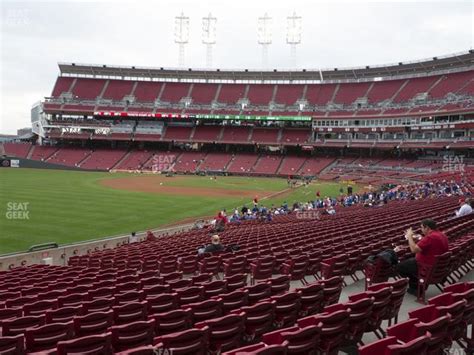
(260, 318)
(377, 272)
(156, 290)
(7, 313)
(63, 315)
(279, 284)
(436, 273)
(45, 337)
(334, 327)
(234, 300)
(332, 288)
(287, 307)
(19, 325)
(93, 323)
(93, 344)
(173, 321)
(14, 344)
(312, 297)
(416, 346)
(162, 303)
(377, 347)
(300, 340)
(224, 333)
(98, 305)
(193, 341)
(39, 307)
(132, 335)
(209, 309)
(236, 282)
(130, 312)
(259, 292)
(261, 349)
(214, 288)
(190, 294)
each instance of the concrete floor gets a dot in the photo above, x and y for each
(409, 303)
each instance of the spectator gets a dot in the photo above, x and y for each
(432, 244)
(331, 211)
(465, 208)
(221, 221)
(215, 245)
(150, 237)
(133, 238)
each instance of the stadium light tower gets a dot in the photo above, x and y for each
(264, 33)
(181, 35)
(293, 34)
(209, 36)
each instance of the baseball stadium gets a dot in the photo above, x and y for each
(157, 210)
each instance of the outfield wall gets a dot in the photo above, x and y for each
(61, 254)
(36, 164)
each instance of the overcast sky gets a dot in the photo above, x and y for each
(36, 35)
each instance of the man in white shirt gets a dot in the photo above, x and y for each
(465, 208)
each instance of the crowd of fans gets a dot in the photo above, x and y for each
(329, 205)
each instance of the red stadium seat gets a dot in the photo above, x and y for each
(39, 307)
(287, 308)
(300, 340)
(225, 333)
(46, 337)
(172, 321)
(261, 349)
(279, 284)
(399, 288)
(98, 305)
(14, 344)
(190, 295)
(132, 335)
(262, 269)
(163, 303)
(130, 312)
(192, 341)
(428, 319)
(259, 319)
(312, 299)
(93, 323)
(19, 325)
(63, 315)
(92, 344)
(205, 310)
(236, 282)
(334, 327)
(258, 292)
(234, 300)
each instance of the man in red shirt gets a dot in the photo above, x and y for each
(433, 243)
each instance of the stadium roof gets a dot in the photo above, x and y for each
(436, 65)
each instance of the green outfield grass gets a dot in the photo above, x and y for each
(71, 206)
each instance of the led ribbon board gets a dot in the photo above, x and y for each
(201, 116)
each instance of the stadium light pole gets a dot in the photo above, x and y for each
(181, 35)
(264, 35)
(209, 36)
(293, 35)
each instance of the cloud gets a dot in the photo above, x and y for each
(37, 35)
